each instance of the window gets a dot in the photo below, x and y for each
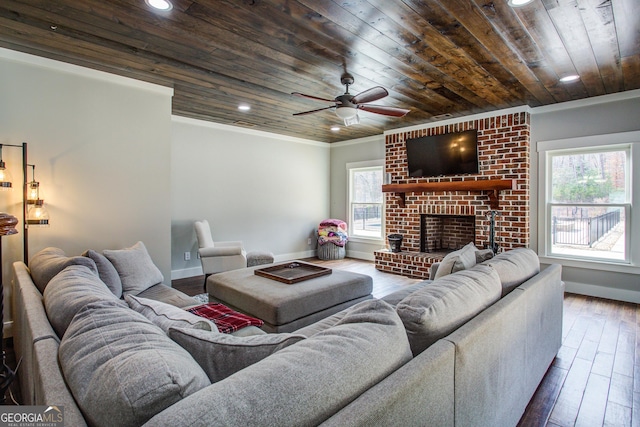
(365, 200)
(589, 203)
(587, 192)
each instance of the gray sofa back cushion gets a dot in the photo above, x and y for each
(514, 267)
(107, 272)
(69, 291)
(305, 383)
(135, 268)
(221, 355)
(50, 261)
(441, 307)
(122, 369)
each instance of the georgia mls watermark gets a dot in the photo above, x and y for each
(31, 416)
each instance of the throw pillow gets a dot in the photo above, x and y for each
(122, 369)
(221, 355)
(135, 268)
(435, 311)
(107, 272)
(50, 261)
(459, 260)
(166, 315)
(69, 291)
(312, 379)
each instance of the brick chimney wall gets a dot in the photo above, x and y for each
(503, 153)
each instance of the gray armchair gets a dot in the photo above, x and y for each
(217, 257)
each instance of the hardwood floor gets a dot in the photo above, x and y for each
(595, 378)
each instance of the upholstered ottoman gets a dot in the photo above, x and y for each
(287, 307)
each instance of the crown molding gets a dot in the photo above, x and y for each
(238, 129)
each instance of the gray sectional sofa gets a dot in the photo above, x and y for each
(467, 349)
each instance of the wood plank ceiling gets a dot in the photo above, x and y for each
(435, 57)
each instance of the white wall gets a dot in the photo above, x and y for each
(101, 145)
(357, 150)
(269, 191)
(595, 116)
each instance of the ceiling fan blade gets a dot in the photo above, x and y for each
(385, 111)
(312, 97)
(370, 95)
(312, 111)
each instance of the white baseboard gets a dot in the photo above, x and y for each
(603, 292)
(186, 272)
(295, 255)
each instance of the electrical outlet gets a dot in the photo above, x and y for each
(187, 256)
(309, 241)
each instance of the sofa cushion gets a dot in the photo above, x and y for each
(221, 355)
(305, 383)
(122, 369)
(438, 309)
(169, 295)
(135, 268)
(514, 267)
(462, 259)
(107, 272)
(50, 261)
(166, 315)
(69, 291)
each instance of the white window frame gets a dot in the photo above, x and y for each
(351, 168)
(621, 141)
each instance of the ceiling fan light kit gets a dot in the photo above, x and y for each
(346, 112)
(347, 105)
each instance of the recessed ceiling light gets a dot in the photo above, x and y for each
(569, 78)
(244, 107)
(518, 3)
(163, 5)
(335, 128)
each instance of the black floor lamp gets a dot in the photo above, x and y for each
(8, 227)
(7, 375)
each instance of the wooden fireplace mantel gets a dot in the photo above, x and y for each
(491, 186)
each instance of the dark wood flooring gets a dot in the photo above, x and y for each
(592, 381)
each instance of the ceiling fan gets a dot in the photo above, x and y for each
(347, 105)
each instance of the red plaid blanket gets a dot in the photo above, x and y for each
(226, 320)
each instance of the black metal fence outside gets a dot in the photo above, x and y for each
(583, 231)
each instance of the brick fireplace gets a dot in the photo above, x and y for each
(457, 209)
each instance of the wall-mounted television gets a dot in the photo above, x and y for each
(448, 154)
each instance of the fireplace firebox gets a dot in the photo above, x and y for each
(445, 233)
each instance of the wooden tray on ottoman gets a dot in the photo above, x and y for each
(293, 272)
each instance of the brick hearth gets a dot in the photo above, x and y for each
(503, 152)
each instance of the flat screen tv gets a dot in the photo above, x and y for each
(448, 154)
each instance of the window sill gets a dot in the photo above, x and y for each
(590, 264)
